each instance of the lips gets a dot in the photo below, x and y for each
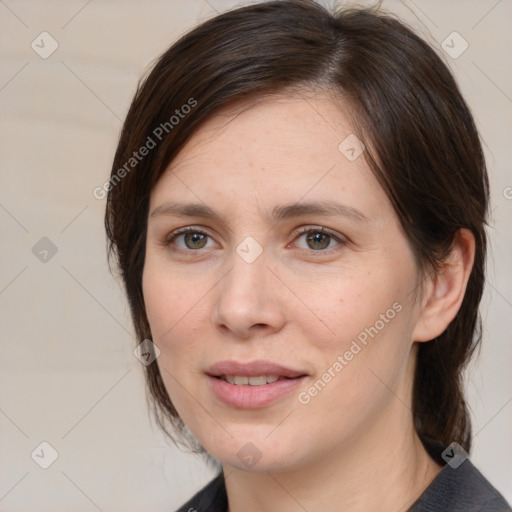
(253, 385)
(259, 368)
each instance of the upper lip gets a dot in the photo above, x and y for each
(252, 369)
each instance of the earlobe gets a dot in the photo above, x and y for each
(447, 288)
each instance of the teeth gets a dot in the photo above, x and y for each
(241, 380)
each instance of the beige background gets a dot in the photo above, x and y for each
(68, 374)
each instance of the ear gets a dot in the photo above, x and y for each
(445, 290)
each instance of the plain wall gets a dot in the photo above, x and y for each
(68, 373)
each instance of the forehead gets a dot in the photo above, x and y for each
(277, 146)
(301, 124)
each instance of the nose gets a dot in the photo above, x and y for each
(248, 301)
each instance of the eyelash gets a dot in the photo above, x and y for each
(306, 229)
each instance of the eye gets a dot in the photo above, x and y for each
(193, 238)
(318, 239)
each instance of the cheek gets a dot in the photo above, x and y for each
(369, 342)
(170, 312)
(177, 309)
(366, 327)
(168, 300)
(359, 306)
(359, 375)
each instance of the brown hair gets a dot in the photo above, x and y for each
(421, 140)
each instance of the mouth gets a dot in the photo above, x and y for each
(253, 385)
(254, 373)
(260, 368)
(259, 380)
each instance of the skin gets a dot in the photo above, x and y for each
(353, 447)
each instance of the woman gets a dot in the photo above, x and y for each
(297, 206)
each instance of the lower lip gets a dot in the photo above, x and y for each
(253, 397)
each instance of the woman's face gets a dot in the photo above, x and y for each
(261, 282)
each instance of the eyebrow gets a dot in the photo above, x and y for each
(278, 213)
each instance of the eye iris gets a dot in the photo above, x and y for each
(317, 237)
(196, 238)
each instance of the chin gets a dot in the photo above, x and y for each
(255, 454)
(275, 464)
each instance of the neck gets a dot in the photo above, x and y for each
(349, 480)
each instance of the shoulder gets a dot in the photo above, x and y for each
(459, 489)
(211, 497)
